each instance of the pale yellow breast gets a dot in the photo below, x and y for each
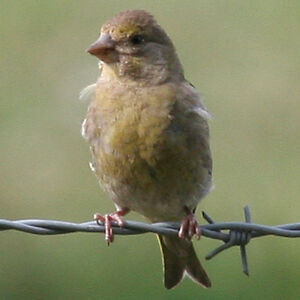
(142, 150)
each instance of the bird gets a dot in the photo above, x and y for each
(149, 137)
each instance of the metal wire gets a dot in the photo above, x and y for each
(236, 233)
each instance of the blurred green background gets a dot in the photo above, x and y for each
(244, 58)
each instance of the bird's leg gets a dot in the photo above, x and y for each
(107, 221)
(189, 226)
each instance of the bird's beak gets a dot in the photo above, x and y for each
(103, 47)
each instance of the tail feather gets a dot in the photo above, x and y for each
(179, 257)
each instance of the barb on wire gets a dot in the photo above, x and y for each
(236, 238)
(231, 233)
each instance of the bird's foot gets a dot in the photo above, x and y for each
(107, 221)
(189, 227)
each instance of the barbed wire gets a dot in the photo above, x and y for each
(236, 233)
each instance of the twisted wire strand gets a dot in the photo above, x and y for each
(236, 233)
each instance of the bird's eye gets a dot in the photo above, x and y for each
(137, 39)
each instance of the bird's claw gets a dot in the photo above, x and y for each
(107, 220)
(189, 227)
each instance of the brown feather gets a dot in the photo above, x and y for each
(149, 136)
(179, 257)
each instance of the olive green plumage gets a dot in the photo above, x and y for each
(148, 132)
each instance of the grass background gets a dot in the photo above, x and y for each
(244, 58)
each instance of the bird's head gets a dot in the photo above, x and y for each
(137, 47)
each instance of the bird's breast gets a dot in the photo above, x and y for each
(126, 133)
(141, 153)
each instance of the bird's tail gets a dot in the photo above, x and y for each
(179, 257)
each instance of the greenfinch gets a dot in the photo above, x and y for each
(149, 136)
